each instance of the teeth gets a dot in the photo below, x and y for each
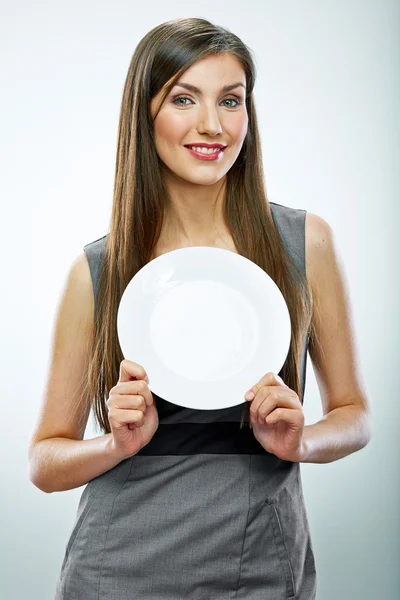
(205, 150)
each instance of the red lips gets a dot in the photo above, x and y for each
(204, 145)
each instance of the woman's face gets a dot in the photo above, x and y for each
(210, 115)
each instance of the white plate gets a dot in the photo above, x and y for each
(206, 324)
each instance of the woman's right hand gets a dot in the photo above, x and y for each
(132, 412)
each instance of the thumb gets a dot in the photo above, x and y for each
(130, 370)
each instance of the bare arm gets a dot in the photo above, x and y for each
(59, 458)
(63, 464)
(347, 423)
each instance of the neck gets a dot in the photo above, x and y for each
(194, 215)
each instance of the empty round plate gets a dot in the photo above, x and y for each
(206, 324)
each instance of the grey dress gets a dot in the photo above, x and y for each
(202, 512)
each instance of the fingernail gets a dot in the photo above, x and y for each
(250, 395)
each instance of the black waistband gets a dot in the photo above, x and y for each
(202, 438)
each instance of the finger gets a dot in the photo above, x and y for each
(139, 387)
(283, 414)
(125, 416)
(261, 395)
(128, 401)
(269, 379)
(129, 370)
(268, 398)
(276, 398)
(134, 388)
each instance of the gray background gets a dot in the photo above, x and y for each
(327, 97)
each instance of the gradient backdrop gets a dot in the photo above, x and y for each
(328, 97)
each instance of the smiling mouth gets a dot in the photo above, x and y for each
(206, 151)
(207, 155)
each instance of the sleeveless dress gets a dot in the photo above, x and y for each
(202, 512)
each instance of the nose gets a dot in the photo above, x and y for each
(208, 121)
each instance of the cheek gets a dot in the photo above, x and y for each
(236, 127)
(241, 127)
(170, 129)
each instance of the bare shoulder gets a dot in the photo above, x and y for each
(80, 274)
(77, 299)
(320, 247)
(318, 230)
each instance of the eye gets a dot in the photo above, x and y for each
(177, 98)
(234, 100)
(174, 101)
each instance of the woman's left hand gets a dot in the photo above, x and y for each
(279, 418)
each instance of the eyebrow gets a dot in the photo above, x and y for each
(193, 88)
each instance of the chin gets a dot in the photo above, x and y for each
(205, 180)
(196, 178)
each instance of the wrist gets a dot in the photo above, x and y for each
(303, 453)
(111, 448)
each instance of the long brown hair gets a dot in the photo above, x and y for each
(140, 199)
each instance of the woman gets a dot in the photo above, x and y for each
(183, 503)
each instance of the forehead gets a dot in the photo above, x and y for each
(221, 69)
